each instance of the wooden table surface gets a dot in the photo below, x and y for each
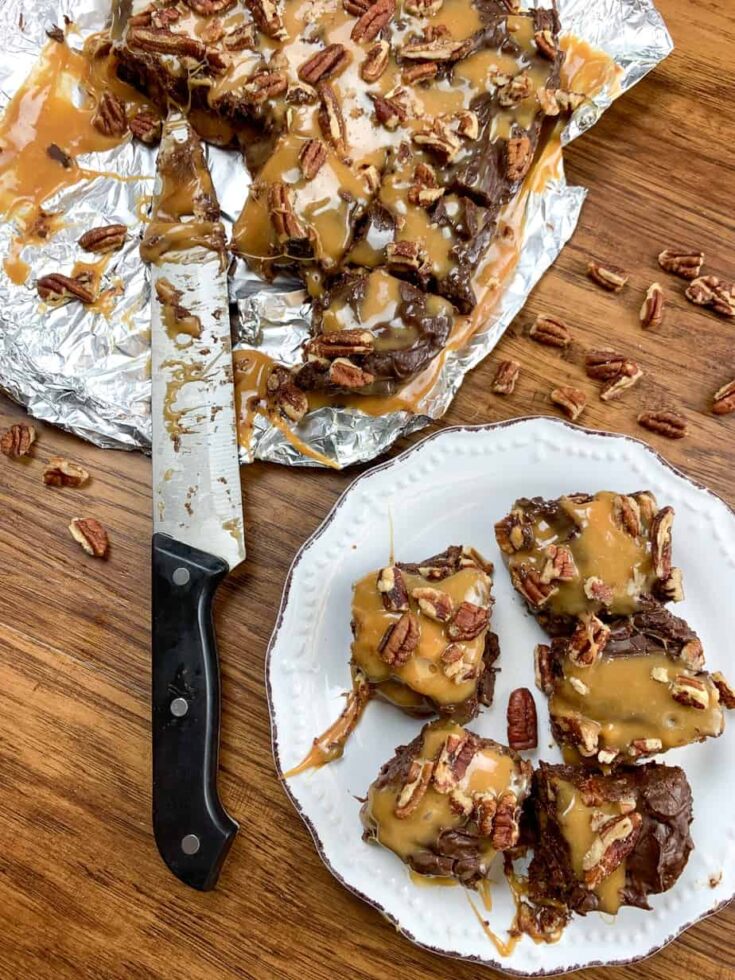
(82, 891)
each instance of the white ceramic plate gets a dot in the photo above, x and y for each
(450, 489)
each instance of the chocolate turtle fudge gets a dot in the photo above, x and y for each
(622, 691)
(421, 634)
(448, 802)
(603, 554)
(603, 842)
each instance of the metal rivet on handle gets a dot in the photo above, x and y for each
(181, 576)
(190, 844)
(179, 707)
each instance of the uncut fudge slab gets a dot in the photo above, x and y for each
(602, 554)
(632, 688)
(421, 637)
(448, 802)
(607, 841)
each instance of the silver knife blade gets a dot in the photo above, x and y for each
(196, 477)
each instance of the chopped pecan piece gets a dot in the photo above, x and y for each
(505, 824)
(286, 224)
(91, 535)
(371, 23)
(451, 765)
(701, 291)
(326, 63)
(439, 49)
(661, 542)
(588, 640)
(456, 665)
(61, 156)
(596, 589)
(559, 565)
(630, 374)
(725, 691)
(690, 691)
(467, 124)
(264, 84)
(208, 8)
(436, 137)
(345, 374)
(505, 377)
(146, 126)
(484, 808)
(301, 94)
(212, 31)
(569, 101)
(519, 157)
(723, 402)
(241, 38)
(268, 18)
(17, 440)
(341, 343)
(468, 621)
(164, 17)
(434, 603)
(521, 719)
(407, 255)
(671, 589)
(376, 61)
(392, 588)
(724, 300)
(652, 311)
(513, 534)
(56, 34)
(57, 288)
(110, 117)
(582, 732)
(692, 654)
(542, 668)
(683, 262)
(528, 582)
(516, 90)
(331, 120)
(551, 331)
(423, 8)
(400, 640)
(312, 158)
(289, 399)
(641, 747)
(422, 71)
(60, 472)
(616, 840)
(425, 189)
(414, 790)
(627, 514)
(608, 276)
(389, 112)
(546, 44)
(108, 238)
(665, 423)
(572, 401)
(356, 7)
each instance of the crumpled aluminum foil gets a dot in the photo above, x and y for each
(90, 374)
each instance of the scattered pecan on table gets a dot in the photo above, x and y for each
(17, 440)
(60, 472)
(91, 535)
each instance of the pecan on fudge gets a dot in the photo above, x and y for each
(602, 842)
(448, 803)
(421, 636)
(601, 554)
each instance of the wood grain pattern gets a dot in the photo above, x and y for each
(82, 891)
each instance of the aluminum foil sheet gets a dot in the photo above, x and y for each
(90, 373)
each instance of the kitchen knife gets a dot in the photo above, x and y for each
(197, 503)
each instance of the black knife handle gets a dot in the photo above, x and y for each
(193, 830)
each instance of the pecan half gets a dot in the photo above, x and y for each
(108, 238)
(652, 311)
(528, 582)
(701, 291)
(146, 126)
(163, 41)
(665, 423)
(110, 117)
(505, 377)
(341, 343)
(597, 590)
(468, 621)
(551, 331)
(312, 157)
(559, 565)
(371, 23)
(356, 7)
(627, 514)
(616, 840)
(425, 189)
(505, 824)
(327, 63)
(546, 44)
(610, 277)
(604, 364)
(400, 640)
(630, 374)
(572, 401)
(57, 288)
(434, 603)
(519, 157)
(439, 49)
(91, 535)
(286, 223)
(521, 718)
(690, 691)
(516, 90)
(436, 137)
(484, 808)
(422, 71)
(724, 300)
(542, 668)
(684, 262)
(660, 532)
(268, 18)
(392, 588)
(331, 120)
(723, 401)
(588, 640)
(345, 374)
(407, 255)
(376, 61)
(288, 398)
(17, 440)
(455, 756)
(415, 787)
(60, 472)
(264, 84)
(725, 691)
